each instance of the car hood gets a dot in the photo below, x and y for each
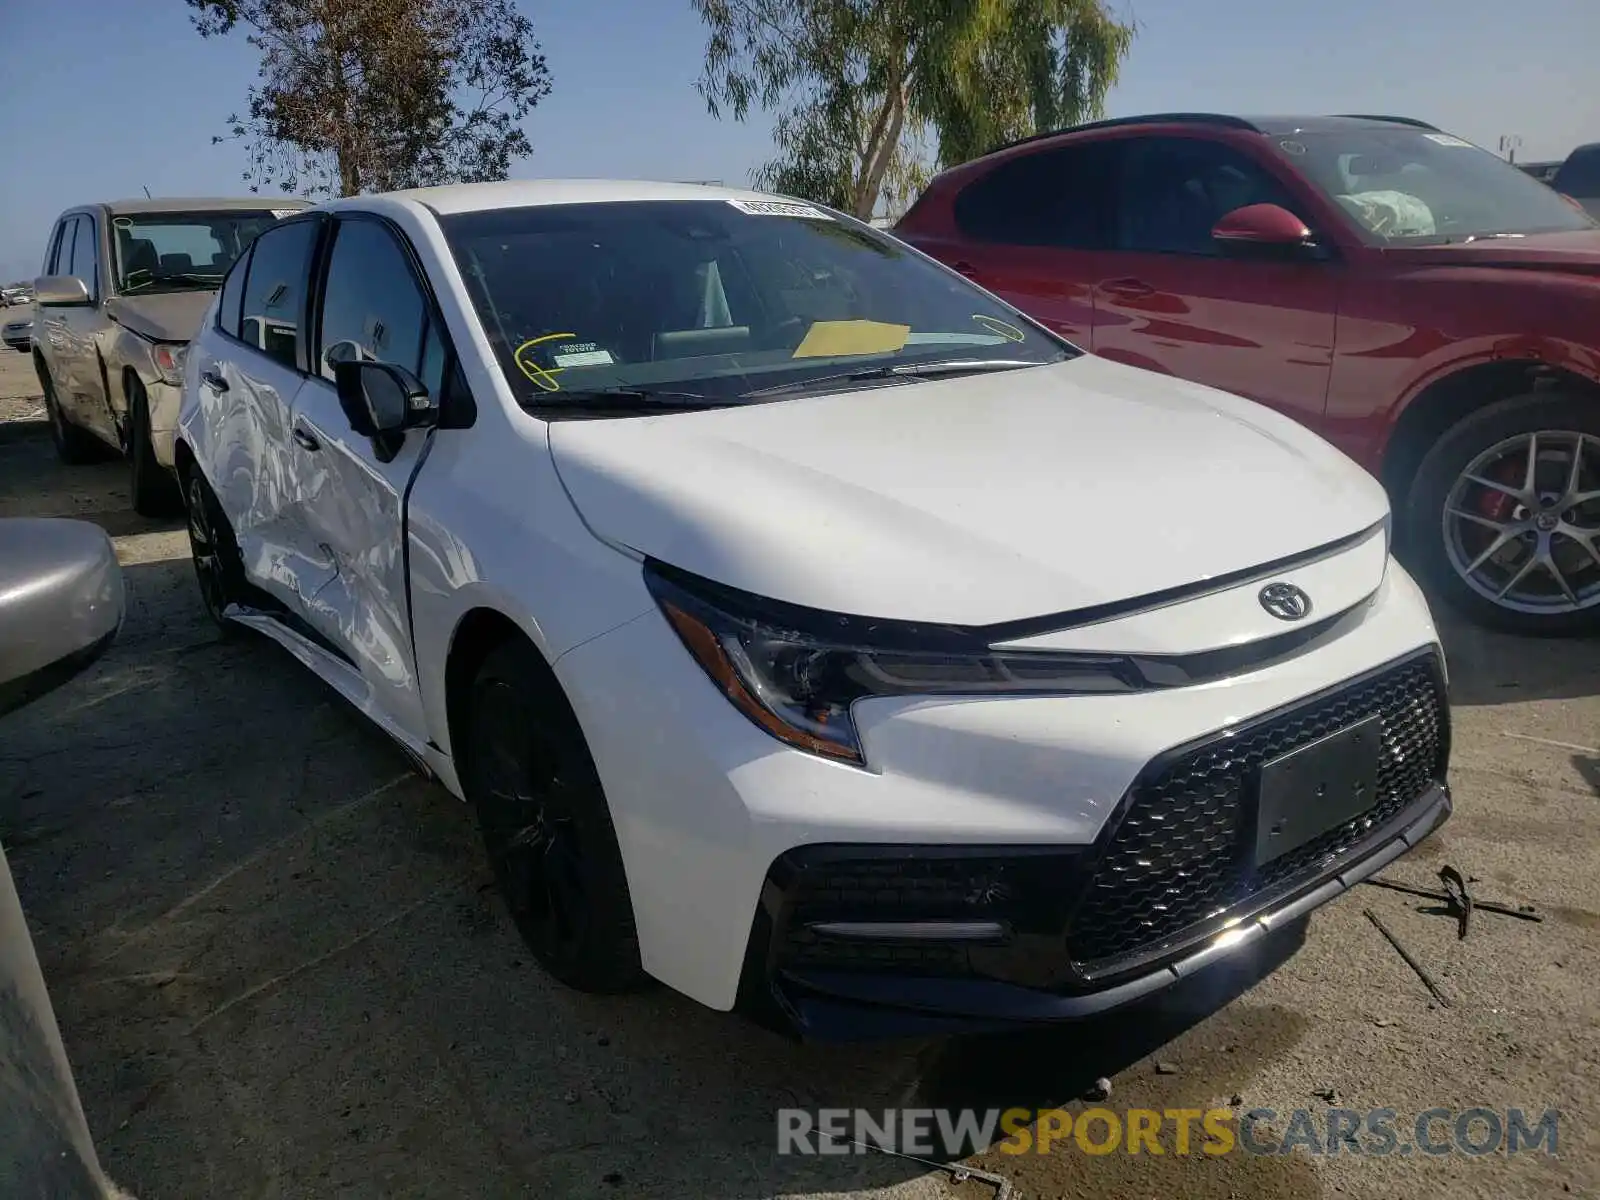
(1577, 252)
(164, 317)
(971, 500)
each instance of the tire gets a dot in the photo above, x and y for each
(1545, 567)
(155, 490)
(547, 827)
(74, 446)
(218, 567)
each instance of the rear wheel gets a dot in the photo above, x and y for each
(217, 566)
(74, 446)
(155, 489)
(546, 826)
(1504, 515)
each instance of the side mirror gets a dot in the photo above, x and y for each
(1267, 232)
(1261, 225)
(381, 401)
(60, 291)
(61, 603)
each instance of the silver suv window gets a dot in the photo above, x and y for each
(84, 260)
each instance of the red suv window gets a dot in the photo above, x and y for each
(1173, 190)
(1047, 197)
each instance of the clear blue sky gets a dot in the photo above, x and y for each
(103, 97)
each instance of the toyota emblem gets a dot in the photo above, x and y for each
(1285, 601)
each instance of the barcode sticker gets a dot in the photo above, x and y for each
(779, 208)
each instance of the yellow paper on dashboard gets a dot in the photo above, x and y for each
(827, 338)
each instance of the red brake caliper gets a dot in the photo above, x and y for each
(1495, 504)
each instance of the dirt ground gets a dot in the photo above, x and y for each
(280, 970)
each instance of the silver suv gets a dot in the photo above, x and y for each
(122, 292)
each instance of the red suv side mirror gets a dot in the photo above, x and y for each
(1261, 225)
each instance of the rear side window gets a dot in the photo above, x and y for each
(273, 308)
(232, 294)
(1051, 197)
(1579, 176)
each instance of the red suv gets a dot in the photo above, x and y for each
(1424, 305)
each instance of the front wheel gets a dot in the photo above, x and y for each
(155, 490)
(547, 827)
(1504, 515)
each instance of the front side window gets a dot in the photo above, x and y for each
(275, 290)
(1173, 190)
(181, 251)
(83, 262)
(372, 308)
(718, 298)
(1416, 187)
(54, 256)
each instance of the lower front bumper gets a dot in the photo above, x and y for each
(843, 1004)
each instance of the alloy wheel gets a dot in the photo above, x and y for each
(532, 839)
(1521, 523)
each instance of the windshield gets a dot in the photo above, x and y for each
(181, 251)
(1417, 187)
(716, 300)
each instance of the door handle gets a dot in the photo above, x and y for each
(305, 439)
(1127, 289)
(214, 381)
(961, 266)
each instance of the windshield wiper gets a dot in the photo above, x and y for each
(189, 277)
(912, 370)
(627, 399)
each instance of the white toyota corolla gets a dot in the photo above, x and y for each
(808, 628)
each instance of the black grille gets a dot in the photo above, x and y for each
(1179, 854)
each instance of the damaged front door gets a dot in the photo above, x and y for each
(372, 308)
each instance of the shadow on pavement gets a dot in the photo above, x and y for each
(23, 431)
(1495, 668)
(280, 968)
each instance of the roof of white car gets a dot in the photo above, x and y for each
(519, 193)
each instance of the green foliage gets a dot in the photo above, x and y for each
(858, 85)
(373, 95)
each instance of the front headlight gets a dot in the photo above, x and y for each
(796, 672)
(168, 358)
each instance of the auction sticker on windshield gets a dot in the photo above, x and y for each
(778, 208)
(583, 354)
